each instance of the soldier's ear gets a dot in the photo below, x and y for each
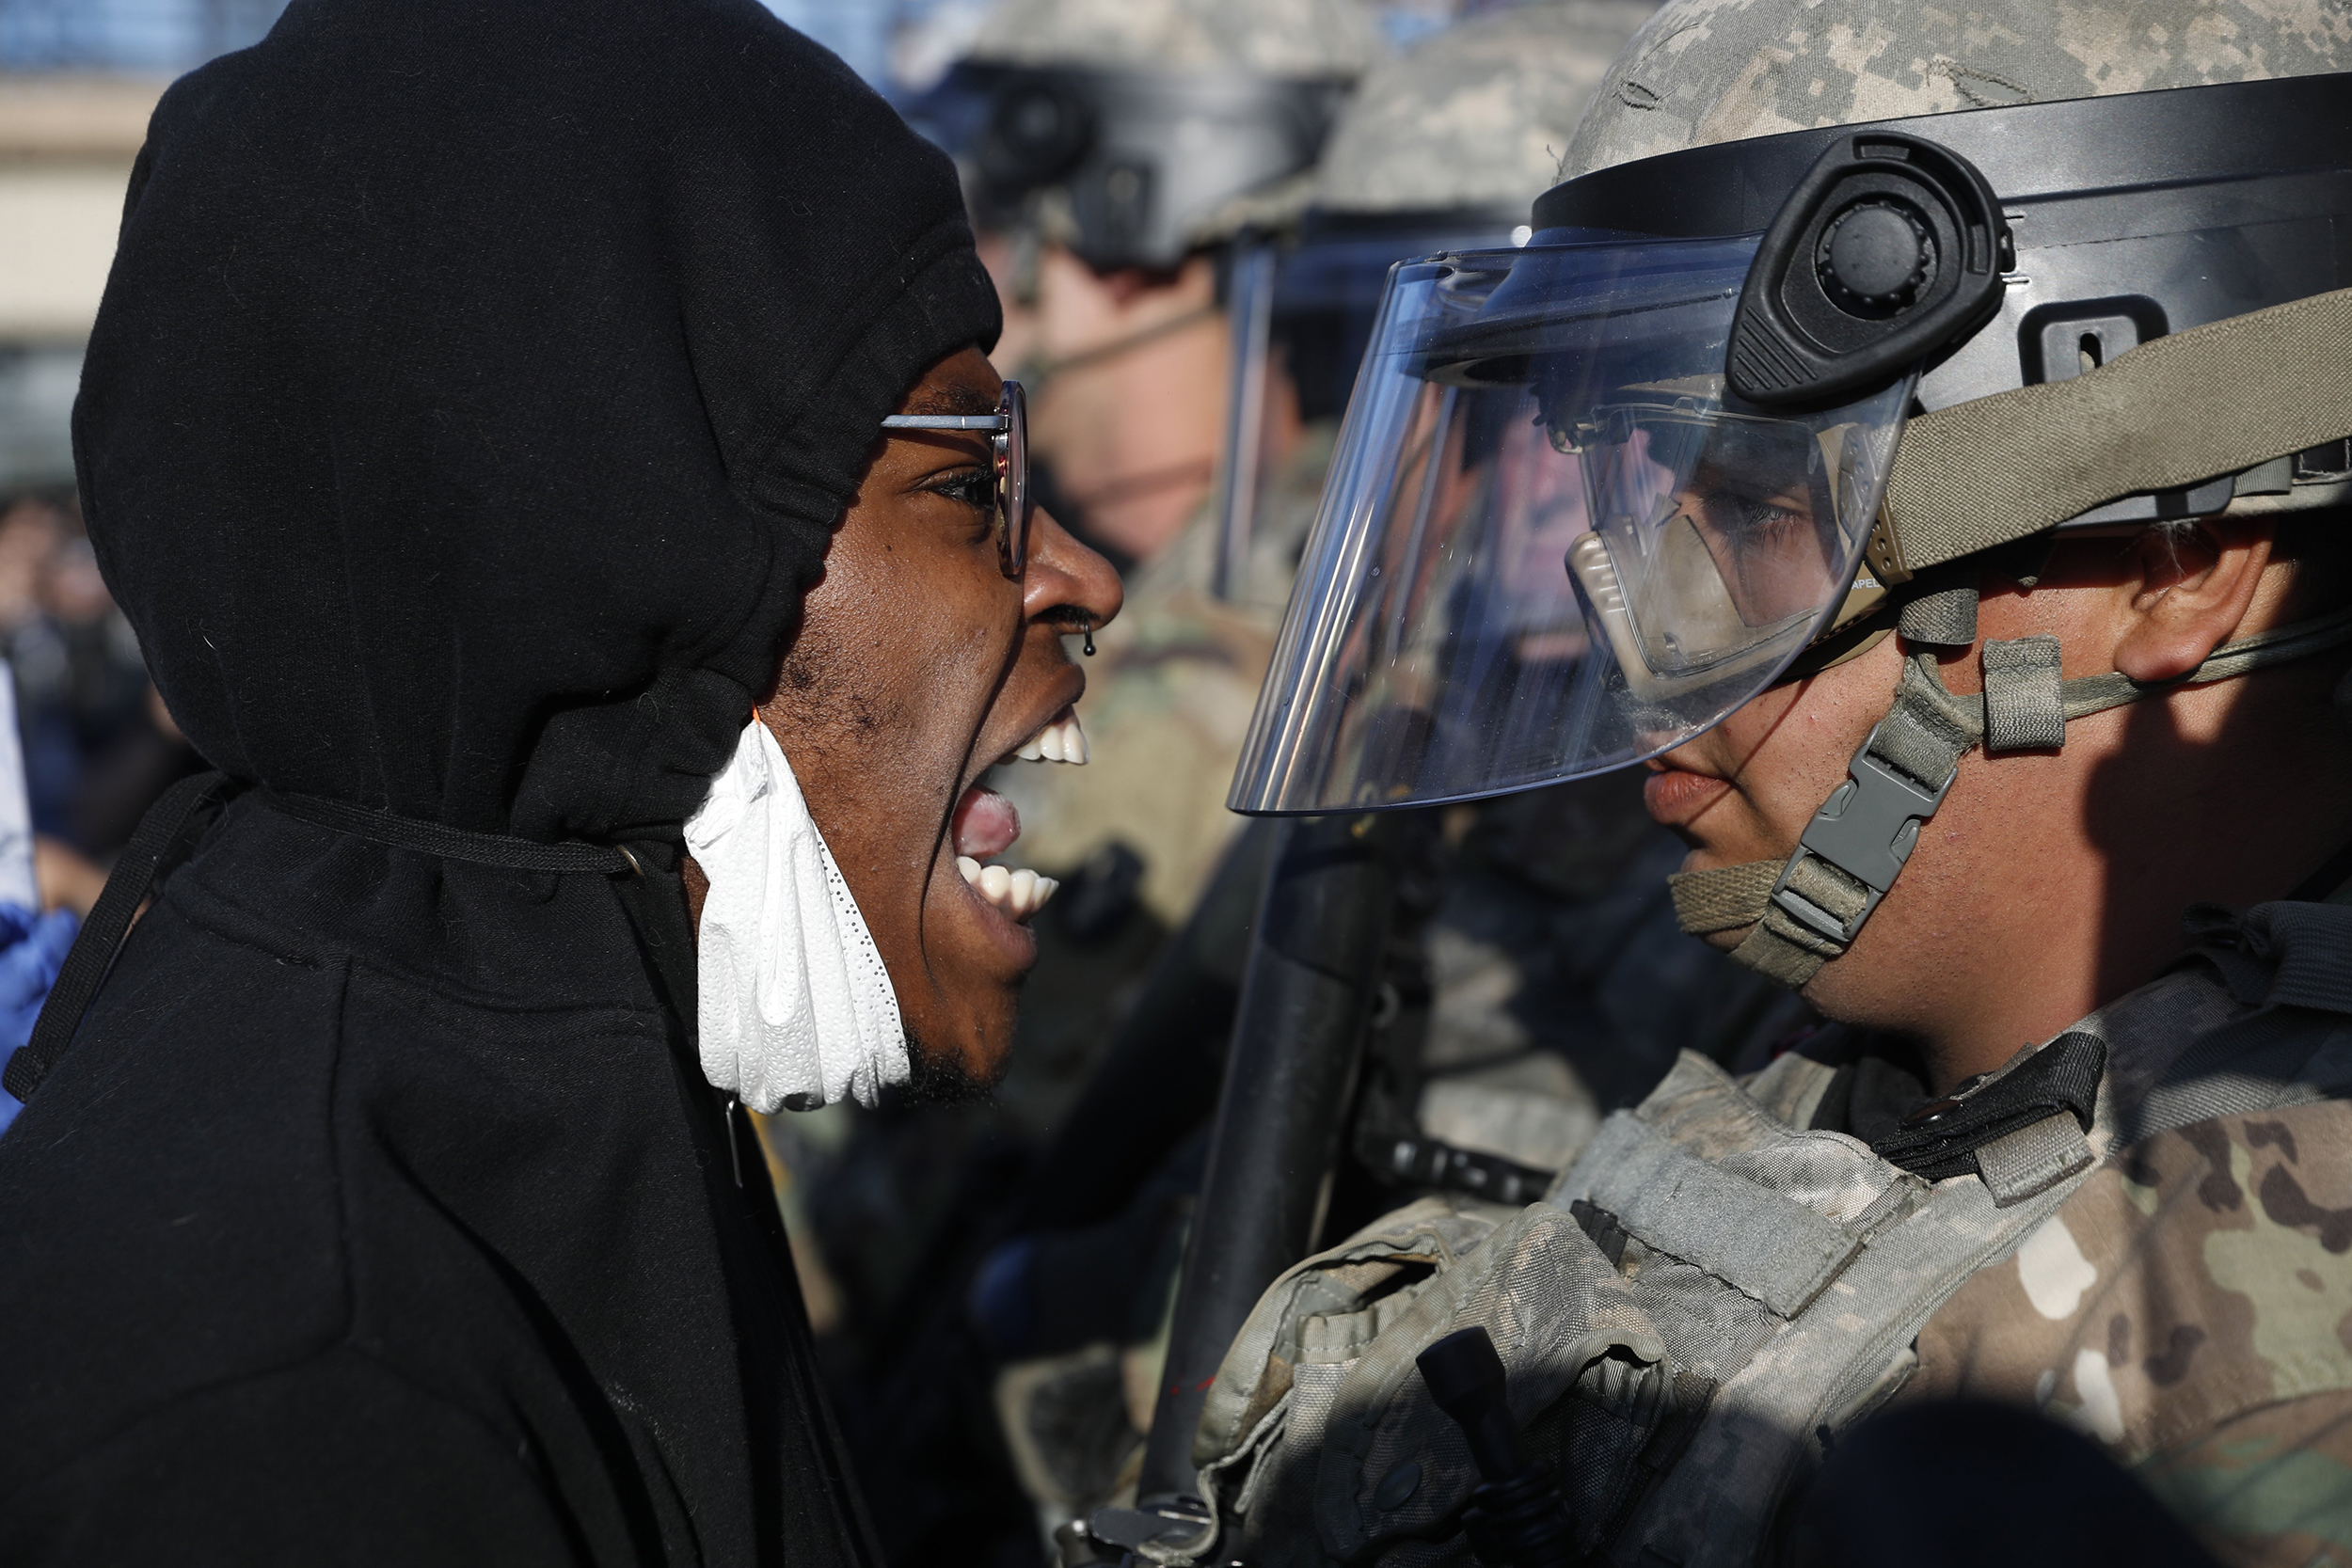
(2187, 591)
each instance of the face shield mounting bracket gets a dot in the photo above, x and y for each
(1890, 250)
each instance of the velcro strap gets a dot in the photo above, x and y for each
(1948, 1136)
(2097, 693)
(1724, 899)
(1785, 951)
(1946, 620)
(2033, 1159)
(1929, 728)
(1828, 888)
(2024, 707)
(1761, 1243)
(1924, 737)
(2174, 411)
(1778, 946)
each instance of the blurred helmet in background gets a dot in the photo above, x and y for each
(1123, 128)
(1476, 118)
(1442, 148)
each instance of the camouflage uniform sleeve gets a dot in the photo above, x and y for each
(2271, 1488)
(2190, 1308)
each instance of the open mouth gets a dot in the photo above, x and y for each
(986, 825)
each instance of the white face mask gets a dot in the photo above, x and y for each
(796, 1007)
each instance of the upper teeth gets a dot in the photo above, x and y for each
(1060, 741)
(1020, 894)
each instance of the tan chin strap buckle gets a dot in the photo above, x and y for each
(1857, 842)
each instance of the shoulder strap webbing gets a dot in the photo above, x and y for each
(2174, 411)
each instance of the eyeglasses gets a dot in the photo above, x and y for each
(1010, 429)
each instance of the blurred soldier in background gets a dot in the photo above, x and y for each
(1113, 151)
(1127, 153)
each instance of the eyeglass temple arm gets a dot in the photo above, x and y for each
(946, 421)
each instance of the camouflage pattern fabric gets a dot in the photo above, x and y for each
(1307, 38)
(1714, 1292)
(1715, 70)
(1478, 116)
(2190, 1308)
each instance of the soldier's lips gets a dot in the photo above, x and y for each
(1677, 797)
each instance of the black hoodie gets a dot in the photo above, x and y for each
(476, 386)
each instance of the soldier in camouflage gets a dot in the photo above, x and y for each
(1121, 332)
(2061, 1150)
(1442, 145)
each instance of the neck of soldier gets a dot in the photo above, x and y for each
(1133, 433)
(2050, 884)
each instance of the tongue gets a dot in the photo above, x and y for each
(985, 824)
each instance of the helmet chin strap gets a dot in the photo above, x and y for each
(1807, 910)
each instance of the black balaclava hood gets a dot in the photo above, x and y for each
(478, 384)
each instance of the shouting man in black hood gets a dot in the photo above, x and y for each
(485, 417)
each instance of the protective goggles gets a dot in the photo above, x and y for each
(1008, 439)
(1594, 494)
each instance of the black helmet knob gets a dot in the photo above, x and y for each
(1875, 258)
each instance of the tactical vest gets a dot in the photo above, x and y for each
(1710, 1295)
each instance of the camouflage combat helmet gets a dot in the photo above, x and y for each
(1129, 124)
(1704, 72)
(1438, 148)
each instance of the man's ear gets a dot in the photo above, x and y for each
(2189, 591)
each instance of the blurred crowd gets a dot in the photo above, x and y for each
(99, 745)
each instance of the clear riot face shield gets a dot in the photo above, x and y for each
(1553, 539)
(1594, 493)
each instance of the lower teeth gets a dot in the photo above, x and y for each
(1019, 893)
